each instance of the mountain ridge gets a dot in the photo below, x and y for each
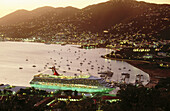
(119, 17)
(12, 18)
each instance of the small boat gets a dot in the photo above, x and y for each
(20, 68)
(64, 71)
(47, 43)
(108, 73)
(63, 44)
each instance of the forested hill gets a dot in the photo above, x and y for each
(121, 18)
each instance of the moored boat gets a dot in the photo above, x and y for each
(81, 83)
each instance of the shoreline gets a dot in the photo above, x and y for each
(155, 73)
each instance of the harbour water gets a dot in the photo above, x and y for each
(20, 61)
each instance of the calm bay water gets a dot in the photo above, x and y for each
(68, 58)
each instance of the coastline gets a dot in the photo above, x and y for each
(154, 72)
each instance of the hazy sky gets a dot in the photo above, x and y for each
(8, 6)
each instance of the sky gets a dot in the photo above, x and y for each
(9, 6)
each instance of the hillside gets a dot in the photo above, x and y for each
(151, 24)
(121, 18)
(104, 15)
(42, 20)
(23, 15)
(20, 16)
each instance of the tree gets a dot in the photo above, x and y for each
(164, 83)
(164, 87)
(135, 98)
